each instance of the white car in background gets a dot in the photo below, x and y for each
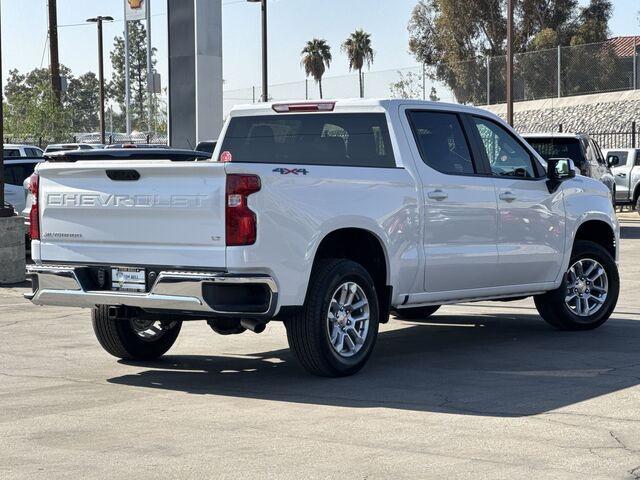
(68, 147)
(16, 172)
(21, 151)
(625, 166)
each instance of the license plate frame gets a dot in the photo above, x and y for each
(128, 279)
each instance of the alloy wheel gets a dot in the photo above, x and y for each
(588, 287)
(348, 319)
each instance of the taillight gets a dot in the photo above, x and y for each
(34, 214)
(241, 222)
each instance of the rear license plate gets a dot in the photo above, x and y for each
(128, 279)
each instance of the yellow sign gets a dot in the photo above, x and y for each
(135, 9)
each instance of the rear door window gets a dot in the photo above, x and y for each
(34, 152)
(340, 139)
(441, 141)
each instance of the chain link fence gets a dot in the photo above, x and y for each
(558, 72)
(90, 138)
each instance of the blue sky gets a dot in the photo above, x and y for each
(292, 22)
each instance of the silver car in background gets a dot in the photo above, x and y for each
(625, 166)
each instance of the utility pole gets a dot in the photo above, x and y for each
(98, 21)
(56, 85)
(127, 73)
(510, 62)
(150, 85)
(265, 50)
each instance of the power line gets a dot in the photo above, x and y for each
(163, 14)
(44, 50)
(115, 20)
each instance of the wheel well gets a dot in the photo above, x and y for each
(599, 232)
(362, 247)
(636, 193)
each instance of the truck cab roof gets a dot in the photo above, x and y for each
(354, 105)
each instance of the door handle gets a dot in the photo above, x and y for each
(623, 175)
(508, 197)
(438, 195)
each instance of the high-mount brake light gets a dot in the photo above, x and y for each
(34, 213)
(304, 107)
(241, 221)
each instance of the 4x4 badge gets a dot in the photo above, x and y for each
(288, 171)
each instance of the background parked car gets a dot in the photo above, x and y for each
(66, 147)
(16, 171)
(137, 145)
(583, 150)
(207, 146)
(625, 166)
(24, 151)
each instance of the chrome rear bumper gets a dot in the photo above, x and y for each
(61, 285)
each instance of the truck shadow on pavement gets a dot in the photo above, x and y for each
(489, 365)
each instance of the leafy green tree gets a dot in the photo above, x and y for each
(316, 59)
(82, 102)
(360, 53)
(31, 110)
(454, 37)
(138, 73)
(409, 85)
(593, 23)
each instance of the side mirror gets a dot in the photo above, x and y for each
(559, 170)
(613, 160)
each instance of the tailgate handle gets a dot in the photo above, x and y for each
(123, 175)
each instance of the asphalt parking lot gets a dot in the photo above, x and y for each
(482, 391)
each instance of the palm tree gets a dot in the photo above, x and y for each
(358, 49)
(316, 58)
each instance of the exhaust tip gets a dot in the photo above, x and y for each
(256, 326)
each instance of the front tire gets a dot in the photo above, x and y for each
(131, 339)
(333, 335)
(589, 291)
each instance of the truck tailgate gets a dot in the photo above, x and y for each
(140, 212)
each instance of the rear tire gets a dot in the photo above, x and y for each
(417, 313)
(129, 339)
(583, 301)
(332, 335)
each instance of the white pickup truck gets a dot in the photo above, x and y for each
(327, 216)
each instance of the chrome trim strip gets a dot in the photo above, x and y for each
(173, 290)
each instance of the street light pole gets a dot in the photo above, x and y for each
(98, 21)
(265, 39)
(510, 62)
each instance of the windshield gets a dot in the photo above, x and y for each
(551, 147)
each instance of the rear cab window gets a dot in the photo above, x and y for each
(11, 153)
(336, 139)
